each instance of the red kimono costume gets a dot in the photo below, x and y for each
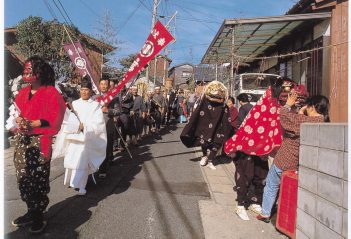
(260, 132)
(33, 148)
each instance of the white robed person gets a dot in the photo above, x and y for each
(85, 133)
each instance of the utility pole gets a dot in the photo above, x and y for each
(154, 15)
(166, 52)
(232, 80)
(165, 59)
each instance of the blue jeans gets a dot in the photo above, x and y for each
(271, 189)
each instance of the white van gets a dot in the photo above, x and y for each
(253, 84)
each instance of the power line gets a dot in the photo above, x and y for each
(145, 6)
(51, 11)
(196, 18)
(91, 10)
(128, 18)
(66, 13)
(64, 18)
(199, 20)
(194, 45)
(149, 3)
(204, 13)
(193, 19)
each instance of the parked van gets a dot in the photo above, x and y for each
(253, 84)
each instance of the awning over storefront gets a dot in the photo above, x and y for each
(253, 36)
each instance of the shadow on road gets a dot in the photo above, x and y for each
(66, 217)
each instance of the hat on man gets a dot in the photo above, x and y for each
(86, 82)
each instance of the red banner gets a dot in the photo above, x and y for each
(79, 58)
(157, 40)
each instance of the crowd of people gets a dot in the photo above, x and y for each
(254, 135)
(88, 133)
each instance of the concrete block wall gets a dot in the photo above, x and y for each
(322, 193)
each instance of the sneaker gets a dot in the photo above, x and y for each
(38, 227)
(211, 166)
(24, 220)
(256, 208)
(203, 161)
(82, 191)
(241, 211)
(263, 218)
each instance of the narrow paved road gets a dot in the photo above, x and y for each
(155, 195)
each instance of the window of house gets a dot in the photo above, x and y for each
(186, 74)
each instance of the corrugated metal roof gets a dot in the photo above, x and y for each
(253, 36)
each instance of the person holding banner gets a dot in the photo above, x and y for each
(41, 110)
(110, 110)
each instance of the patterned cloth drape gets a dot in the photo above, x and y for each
(260, 131)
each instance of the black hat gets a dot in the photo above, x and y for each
(86, 82)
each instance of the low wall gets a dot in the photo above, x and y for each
(323, 178)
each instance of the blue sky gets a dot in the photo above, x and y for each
(196, 24)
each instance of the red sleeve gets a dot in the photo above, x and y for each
(55, 113)
(234, 118)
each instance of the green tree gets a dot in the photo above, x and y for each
(126, 62)
(45, 38)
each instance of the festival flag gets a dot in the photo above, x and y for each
(157, 40)
(79, 58)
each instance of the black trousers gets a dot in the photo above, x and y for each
(249, 171)
(158, 119)
(32, 172)
(169, 114)
(138, 123)
(212, 148)
(111, 130)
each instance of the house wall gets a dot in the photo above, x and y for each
(322, 203)
(161, 71)
(338, 82)
(95, 58)
(310, 69)
(182, 73)
(13, 67)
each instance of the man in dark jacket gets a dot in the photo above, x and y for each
(245, 107)
(113, 109)
(170, 106)
(124, 120)
(137, 115)
(161, 104)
